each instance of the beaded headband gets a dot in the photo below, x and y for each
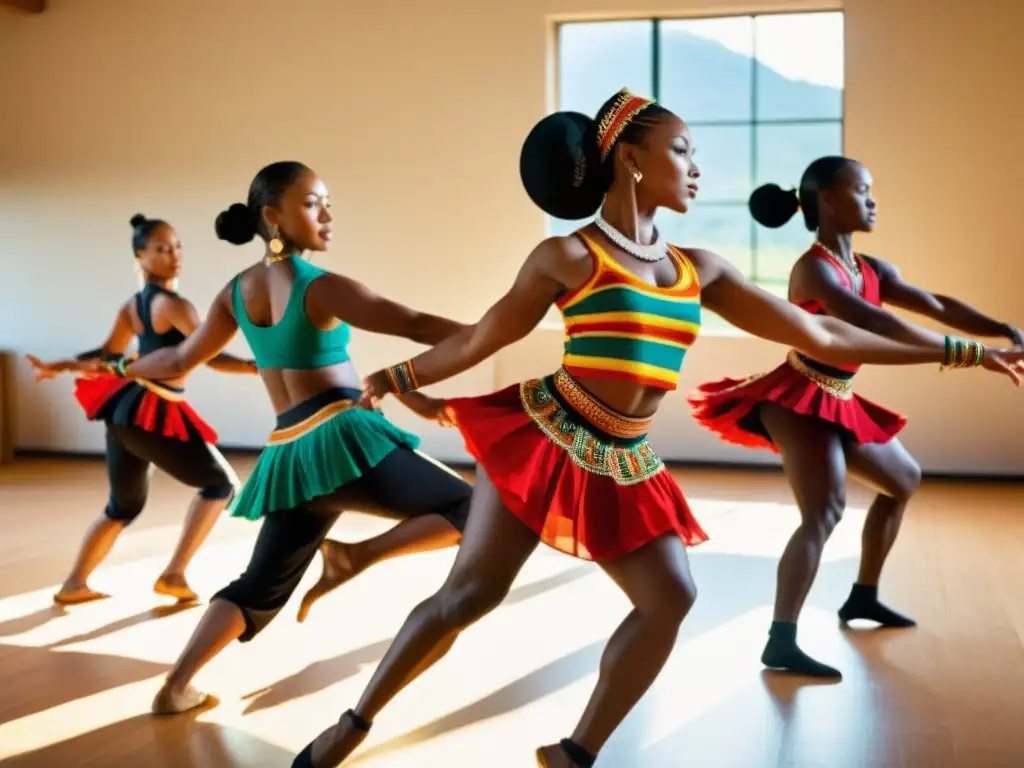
(626, 107)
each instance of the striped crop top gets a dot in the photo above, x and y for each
(619, 327)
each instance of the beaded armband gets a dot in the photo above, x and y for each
(402, 378)
(963, 353)
(115, 367)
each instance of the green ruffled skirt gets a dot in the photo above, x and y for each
(318, 447)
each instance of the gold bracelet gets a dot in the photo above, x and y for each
(962, 353)
(402, 378)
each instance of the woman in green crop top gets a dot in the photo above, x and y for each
(327, 454)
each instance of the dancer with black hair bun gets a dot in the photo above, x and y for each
(806, 409)
(565, 459)
(148, 422)
(327, 454)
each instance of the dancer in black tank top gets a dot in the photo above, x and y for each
(147, 422)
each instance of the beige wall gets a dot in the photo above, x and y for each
(414, 115)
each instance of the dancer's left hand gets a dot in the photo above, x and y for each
(375, 387)
(1015, 335)
(42, 371)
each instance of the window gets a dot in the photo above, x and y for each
(763, 96)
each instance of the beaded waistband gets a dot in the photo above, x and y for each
(835, 382)
(286, 434)
(597, 413)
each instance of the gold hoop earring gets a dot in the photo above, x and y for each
(276, 244)
(637, 176)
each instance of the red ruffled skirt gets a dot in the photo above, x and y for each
(153, 407)
(730, 407)
(583, 490)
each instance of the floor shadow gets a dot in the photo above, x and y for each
(324, 673)
(315, 677)
(144, 740)
(160, 612)
(31, 621)
(542, 681)
(36, 679)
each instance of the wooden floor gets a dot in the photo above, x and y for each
(75, 685)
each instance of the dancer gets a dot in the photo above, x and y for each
(148, 423)
(807, 411)
(565, 459)
(327, 454)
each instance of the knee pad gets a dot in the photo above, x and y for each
(121, 513)
(225, 491)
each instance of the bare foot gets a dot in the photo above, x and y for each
(553, 756)
(175, 585)
(75, 594)
(338, 567)
(337, 742)
(171, 701)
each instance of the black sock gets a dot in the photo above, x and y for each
(863, 604)
(577, 754)
(782, 652)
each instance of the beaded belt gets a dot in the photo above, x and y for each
(841, 387)
(597, 413)
(295, 431)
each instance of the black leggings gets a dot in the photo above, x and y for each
(405, 484)
(130, 453)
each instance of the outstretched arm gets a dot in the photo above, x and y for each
(352, 302)
(945, 309)
(182, 315)
(828, 339)
(514, 315)
(202, 345)
(813, 277)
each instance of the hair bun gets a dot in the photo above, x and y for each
(237, 225)
(137, 220)
(560, 166)
(772, 206)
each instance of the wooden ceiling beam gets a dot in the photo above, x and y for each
(24, 6)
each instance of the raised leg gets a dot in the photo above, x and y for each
(433, 499)
(812, 455)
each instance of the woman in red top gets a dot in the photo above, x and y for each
(807, 411)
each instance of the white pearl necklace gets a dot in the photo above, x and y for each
(656, 251)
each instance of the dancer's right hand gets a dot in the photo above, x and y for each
(1009, 362)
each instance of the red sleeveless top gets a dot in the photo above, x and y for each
(870, 290)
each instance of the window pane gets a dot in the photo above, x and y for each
(724, 158)
(800, 72)
(724, 229)
(596, 59)
(784, 151)
(705, 70)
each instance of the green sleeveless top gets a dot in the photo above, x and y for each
(293, 342)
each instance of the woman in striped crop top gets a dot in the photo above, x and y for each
(326, 453)
(807, 411)
(564, 459)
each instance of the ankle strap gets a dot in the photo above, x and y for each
(577, 754)
(361, 723)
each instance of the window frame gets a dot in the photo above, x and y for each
(752, 124)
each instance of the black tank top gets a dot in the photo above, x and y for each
(150, 340)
